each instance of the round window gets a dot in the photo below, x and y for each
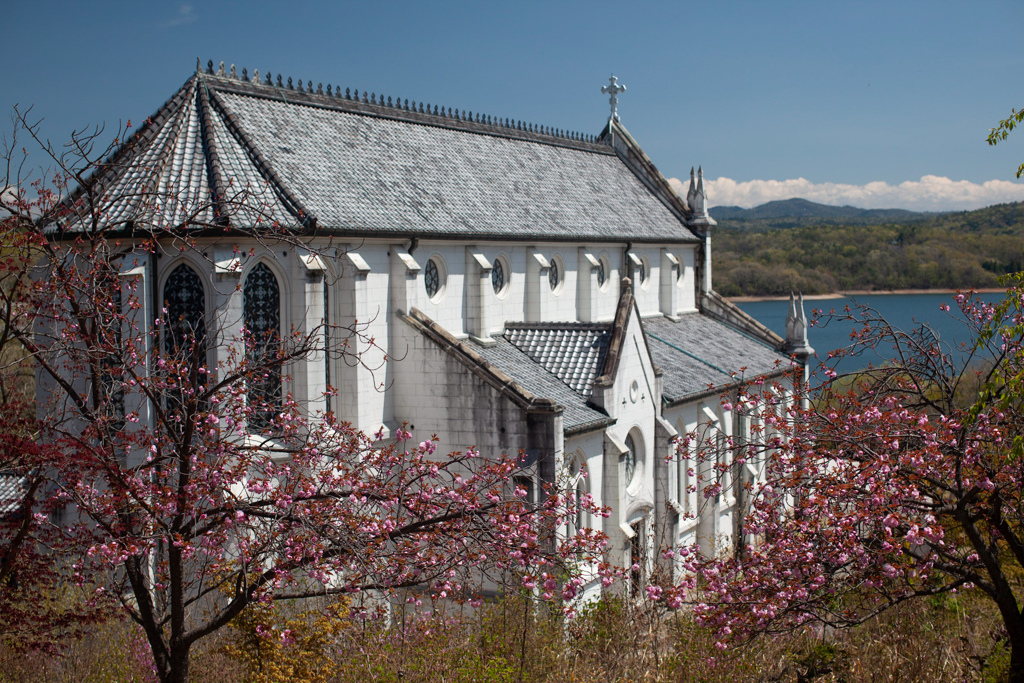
(601, 275)
(629, 459)
(554, 275)
(498, 276)
(434, 275)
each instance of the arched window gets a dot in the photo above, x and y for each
(261, 307)
(185, 331)
(577, 486)
(629, 459)
(185, 302)
(683, 467)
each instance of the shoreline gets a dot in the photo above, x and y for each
(858, 292)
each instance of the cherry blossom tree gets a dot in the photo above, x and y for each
(186, 490)
(902, 480)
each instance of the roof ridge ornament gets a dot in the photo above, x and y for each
(797, 343)
(232, 73)
(697, 200)
(613, 89)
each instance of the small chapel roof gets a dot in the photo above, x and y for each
(573, 352)
(539, 380)
(701, 355)
(238, 152)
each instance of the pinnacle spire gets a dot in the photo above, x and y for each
(796, 328)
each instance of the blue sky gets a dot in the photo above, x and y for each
(867, 103)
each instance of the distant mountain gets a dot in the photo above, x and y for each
(798, 212)
(855, 251)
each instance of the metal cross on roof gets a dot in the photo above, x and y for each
(613, 88)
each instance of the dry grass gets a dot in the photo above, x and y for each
(956, 638)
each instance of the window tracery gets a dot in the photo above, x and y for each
(262, 312)
(431, 278)
(185, 329)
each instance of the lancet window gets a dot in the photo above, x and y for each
(185, 332)
(261, 306)
(185, 302)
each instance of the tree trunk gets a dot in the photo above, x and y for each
(177, 666)
(1016, 672)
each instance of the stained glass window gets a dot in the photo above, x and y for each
(185, 301)
(431, 278)
(185, 331)
(261, 307)
(601, 275)
(498, 276)
(113, 386)
(554, 276)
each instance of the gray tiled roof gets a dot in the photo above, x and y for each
(374, 169)
(513, 362)
(572, 352)
(12, 489)
(698, 352)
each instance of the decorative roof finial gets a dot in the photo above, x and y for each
(702, 198)
(220, 71)
(796, 329)
(613, 88)
(697, 199)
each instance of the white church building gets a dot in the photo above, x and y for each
(528, 289)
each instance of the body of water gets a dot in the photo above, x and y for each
(904, 311)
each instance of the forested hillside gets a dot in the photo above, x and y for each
(940, 251)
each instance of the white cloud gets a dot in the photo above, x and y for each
(930, 193)
(184, 16)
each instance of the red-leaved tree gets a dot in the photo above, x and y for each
(185, 491)
(901, 481)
